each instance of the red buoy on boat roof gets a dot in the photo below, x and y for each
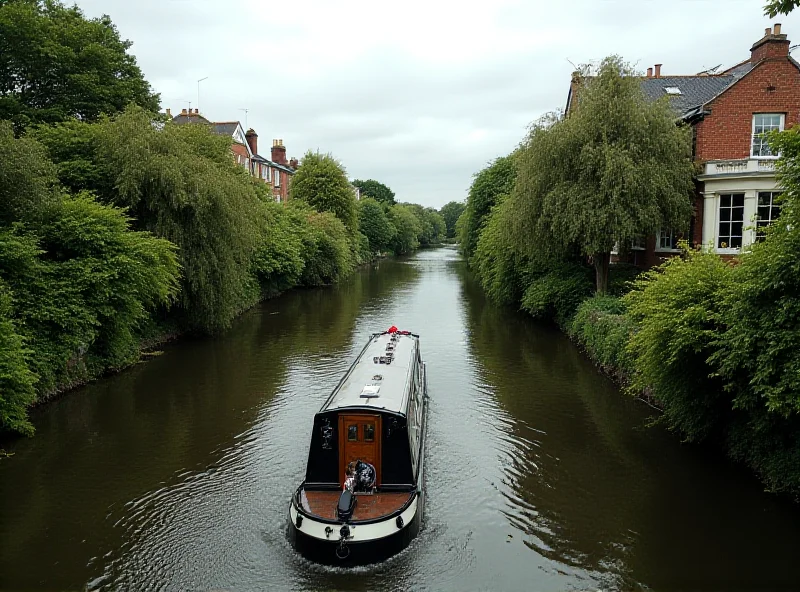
(392, 329)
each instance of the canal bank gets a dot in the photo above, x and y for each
(176, 474)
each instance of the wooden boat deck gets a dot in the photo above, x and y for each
(369, 506)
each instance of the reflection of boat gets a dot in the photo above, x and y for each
(376, 415)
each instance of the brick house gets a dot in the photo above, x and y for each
(728, 111)
(277, 171)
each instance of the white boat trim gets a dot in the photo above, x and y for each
(370, 531)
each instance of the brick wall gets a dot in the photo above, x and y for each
(771, 87)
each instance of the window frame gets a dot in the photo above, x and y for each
(759, 223)
(781, 127)
(674, 238)
(277, 178)
(719, 221)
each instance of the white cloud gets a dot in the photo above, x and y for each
(419, 94)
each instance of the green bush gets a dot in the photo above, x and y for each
(621, 277)
(676, 308)
(278, 261)
(16, 380)
(602, 326)
(557, 293)
(327, 250)
(82, 282)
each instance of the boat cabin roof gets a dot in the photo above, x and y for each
(373, 383)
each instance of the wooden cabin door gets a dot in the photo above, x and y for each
(360, 439)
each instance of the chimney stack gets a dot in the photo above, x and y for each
(169, 113)
(773, 44)
(658, 70)
(278, 152)
(183, 111)
(252, 140)
(294, 163)
(649, 72)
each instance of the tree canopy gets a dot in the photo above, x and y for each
(775, 7)
(497, 179)
(615, 169)
(321, 182)
(55, 65)
(376, 190)
(374, 223)
(450, 213)
(180, 183)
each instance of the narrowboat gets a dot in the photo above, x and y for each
(362, 497)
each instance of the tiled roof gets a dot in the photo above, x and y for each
(186, 118)
(225, 128)
(695, 91)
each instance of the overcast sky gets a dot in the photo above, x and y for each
(422, 95)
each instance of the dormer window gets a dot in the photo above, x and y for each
(763, 123)
(672, 90)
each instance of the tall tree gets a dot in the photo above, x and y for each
(775, 7)
(376, 190)
(321, 182)
(497, 179)
(450, 212)
(375, 225)
(55, 64)
(617, 168)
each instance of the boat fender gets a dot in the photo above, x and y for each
(399, 522)
(346, 505)
(298, 521)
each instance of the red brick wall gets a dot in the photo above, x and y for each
(726, 133)
(283, 190)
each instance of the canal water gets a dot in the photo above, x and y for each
(177, 474)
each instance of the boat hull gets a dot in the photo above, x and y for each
(367, 542)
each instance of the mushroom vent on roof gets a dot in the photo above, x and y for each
(672, 90)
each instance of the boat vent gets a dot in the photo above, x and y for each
(383, 359)
(370, 391)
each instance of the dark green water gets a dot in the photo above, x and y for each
(177, 474)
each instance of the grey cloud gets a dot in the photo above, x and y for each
(419, 108)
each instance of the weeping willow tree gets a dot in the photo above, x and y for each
(617, 168)
(180, 183)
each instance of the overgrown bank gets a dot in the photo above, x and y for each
(713, 344)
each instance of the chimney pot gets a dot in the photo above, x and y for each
(767, 32)
(658, 70)
(183, 111)
(279, 152)
(649, 72)
(169, 112)
(777, 29)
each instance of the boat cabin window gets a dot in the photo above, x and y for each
(352, 433)
(369, 432)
